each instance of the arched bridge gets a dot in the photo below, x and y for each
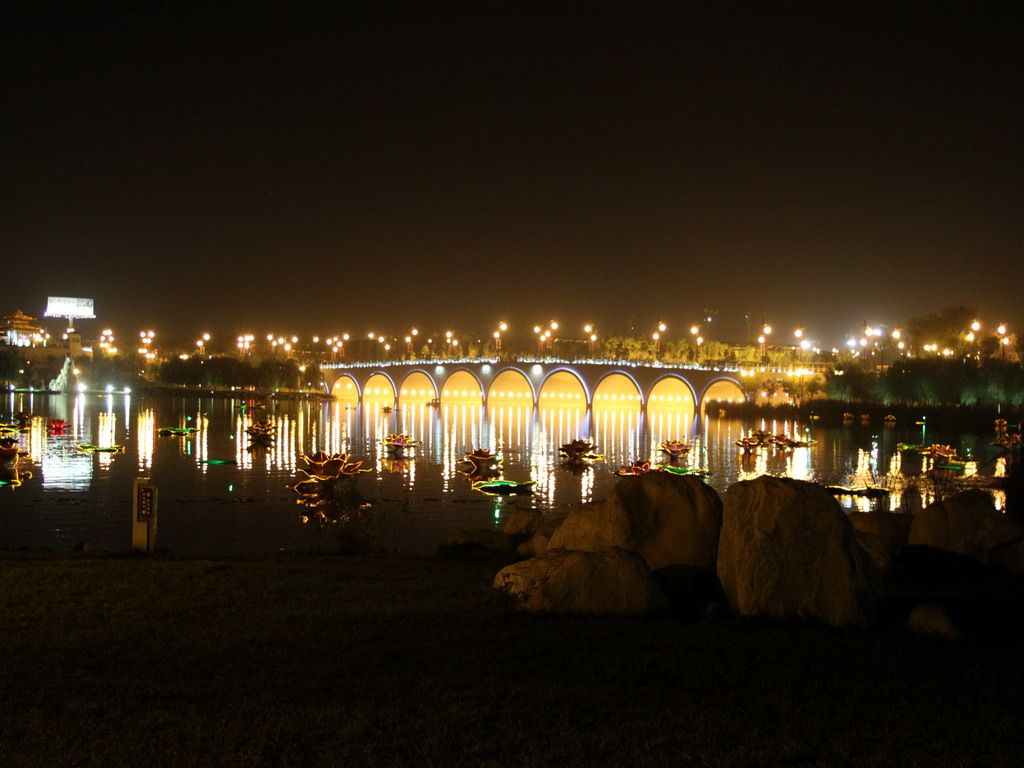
(528, 382)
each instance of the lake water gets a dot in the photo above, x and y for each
(68, 496)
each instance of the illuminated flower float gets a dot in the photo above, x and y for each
(581, 450)
(399, 443)
(786, 442)
(11, 475)
(328, 489)
(675, 449)
(636, 468)
(859, 491)
(10, 454)
(261, 435)
(504, 487)
(58, 426)
(944, 455)
(1008, 441)
(480, 461)
(672, 469)
(176, 431)
(90, 448)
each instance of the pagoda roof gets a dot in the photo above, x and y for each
(19, 321)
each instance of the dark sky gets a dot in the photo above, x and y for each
(438, 165)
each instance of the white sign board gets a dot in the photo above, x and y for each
(62, 306)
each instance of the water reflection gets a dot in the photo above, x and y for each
(527, 439)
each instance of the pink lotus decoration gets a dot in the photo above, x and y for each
(675, 448)
(58, 426)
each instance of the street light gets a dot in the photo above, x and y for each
(591, 332)
(1004, 340)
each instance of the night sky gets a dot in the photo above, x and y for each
(450, 166)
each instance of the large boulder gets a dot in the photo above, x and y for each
(966, 523)
(668, 519)
(788, 550)
(606, 581)
(891, 527)
(931, 620)
(523, 521)
(540, 541)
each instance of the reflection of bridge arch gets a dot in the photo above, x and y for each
(462, 386)
(563, 387)
(417, 387)
(346, 388)
(617, 388)
(511, 387)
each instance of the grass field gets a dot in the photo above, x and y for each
(398, 661)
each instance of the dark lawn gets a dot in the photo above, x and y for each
(397, 661)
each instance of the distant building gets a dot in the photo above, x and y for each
(20, 330)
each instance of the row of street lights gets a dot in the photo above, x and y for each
(545, 335)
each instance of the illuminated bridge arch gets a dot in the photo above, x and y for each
(672, 390)
(563, 387)
(529, 383)
(511, 386)
(346, 388)
(617, 389)
(380, 389)
(417, 387)
(462, 386)
(722, 389)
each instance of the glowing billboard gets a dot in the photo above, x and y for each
(62, 306)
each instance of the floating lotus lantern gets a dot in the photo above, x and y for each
(859, 491)
(504, 487)
(674, 470)
(9, 452)
(261, 435)
(328, 489)
(944, 454)
(1008, 441)
(675, 448)
(749, 444)
(582, 450)
(58, 426)
(89, 448)
(399, 443)
(176, 431)
(480, 461)
(786, 442)
(636, 468)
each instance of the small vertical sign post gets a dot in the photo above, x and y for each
(143, 516)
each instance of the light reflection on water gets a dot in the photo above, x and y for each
(75, 496)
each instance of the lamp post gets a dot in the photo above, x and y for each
(502, 326)
(591, 332)
(1004, 340)
(697, 341)
(763, 340)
